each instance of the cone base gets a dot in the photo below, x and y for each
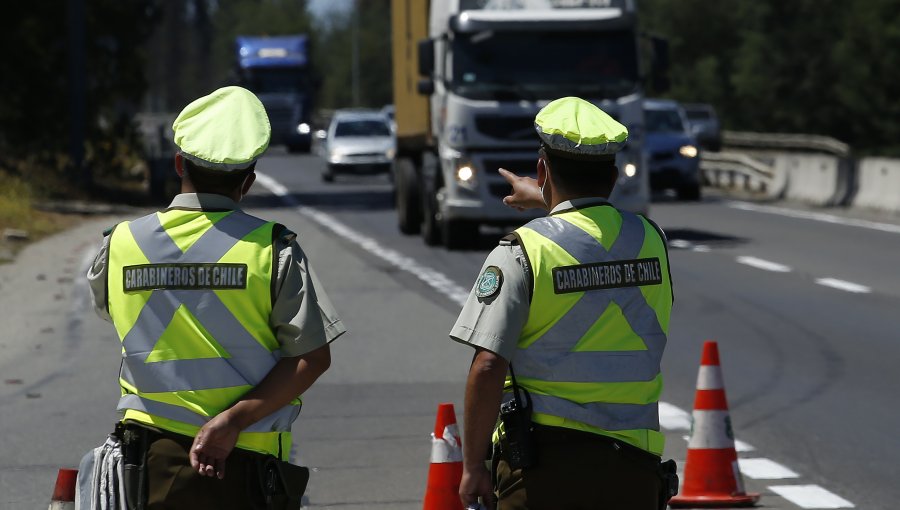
(722, 500)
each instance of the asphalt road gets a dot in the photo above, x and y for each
(803, 307)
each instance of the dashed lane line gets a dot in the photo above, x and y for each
(671, 417)
(811, 496)
(844, 285)
(765, 469)
(764, 264)
(825, 218)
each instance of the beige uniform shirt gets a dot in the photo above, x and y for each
(303, 317)
(495, 322)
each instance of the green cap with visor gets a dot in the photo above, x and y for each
(573, 128)
(227, 130)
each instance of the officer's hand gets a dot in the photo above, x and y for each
(526, 194)
(211, 447)
(475, 483)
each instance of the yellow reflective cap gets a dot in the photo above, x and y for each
(573, 127)
(226, 130)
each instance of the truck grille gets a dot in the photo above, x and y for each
(507, 127)
(521, 167)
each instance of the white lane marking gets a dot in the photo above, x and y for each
(681, 244)
(765, 469)
(826, 218)
(434, 279)
(764, 264)
(811, 496)
(843, 285)
(702, 248)
(671, 417)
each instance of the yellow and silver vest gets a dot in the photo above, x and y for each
(190, 294)
(591, 349)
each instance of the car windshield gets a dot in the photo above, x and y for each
(365, 127)
(530, 65)
(664, 121)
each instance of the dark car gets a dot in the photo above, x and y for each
(672, 153)
(704, 125)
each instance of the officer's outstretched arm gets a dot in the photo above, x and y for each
(289, 378)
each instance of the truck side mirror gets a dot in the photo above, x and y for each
(660, 65)
(426, 57)
(425, 86)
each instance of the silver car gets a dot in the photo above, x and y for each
(358, 142)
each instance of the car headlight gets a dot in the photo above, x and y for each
(630, 170)
(303, 128)
(688, 151)
(390, 153)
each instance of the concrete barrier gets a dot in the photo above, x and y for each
(878, 184)
(812, 178)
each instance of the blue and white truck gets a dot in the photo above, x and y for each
(469, 77)
(277, 69)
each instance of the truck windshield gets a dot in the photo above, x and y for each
(543, 65)
(269, 80)
(664, 121)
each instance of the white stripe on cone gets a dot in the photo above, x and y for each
(712, 430)
(446, 449)
(62, 505)
(710, 378)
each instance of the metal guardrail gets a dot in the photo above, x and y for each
(736, 161)
(785, 142)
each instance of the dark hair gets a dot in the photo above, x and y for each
(587, 177)
(206, 180)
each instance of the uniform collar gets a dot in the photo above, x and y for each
(203, 201)
(579, 203)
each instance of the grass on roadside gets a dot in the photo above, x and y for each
(17, 211)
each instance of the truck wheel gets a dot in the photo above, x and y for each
(328, 174)
(406, 197)
(431, 226)
(458, 234)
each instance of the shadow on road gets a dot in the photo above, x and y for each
(684, 237)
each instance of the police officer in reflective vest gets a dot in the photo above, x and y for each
(568, 319)
(223, 325)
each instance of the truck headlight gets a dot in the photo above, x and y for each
(303, 128)
(688, 151)
(465, 174)
(630, 170)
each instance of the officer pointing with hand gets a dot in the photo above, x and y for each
(569, 319)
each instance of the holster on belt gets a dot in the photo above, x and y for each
(134, 454)
(669, 488)
(281, 483)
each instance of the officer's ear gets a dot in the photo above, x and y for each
(542, 170)
(179, 164)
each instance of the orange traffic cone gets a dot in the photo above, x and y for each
(64, 491)
(445, 472)
(711, 473)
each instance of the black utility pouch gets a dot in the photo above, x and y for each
(669, 476)
(281, 484)
(517, 441)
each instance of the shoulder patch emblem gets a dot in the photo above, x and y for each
(489, 282)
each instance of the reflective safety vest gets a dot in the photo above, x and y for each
(190, 294)
(590, 352)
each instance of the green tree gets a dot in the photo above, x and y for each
(335, 56)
